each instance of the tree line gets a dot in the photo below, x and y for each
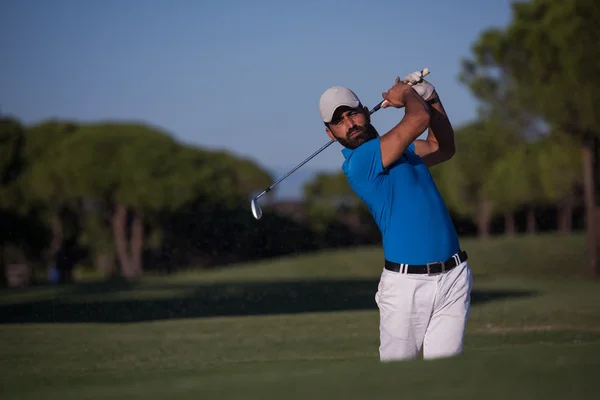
(127, 197)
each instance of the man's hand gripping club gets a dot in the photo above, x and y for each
(438, 146)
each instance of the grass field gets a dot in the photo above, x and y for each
(305, 328)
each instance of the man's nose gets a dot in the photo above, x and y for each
(349, 122)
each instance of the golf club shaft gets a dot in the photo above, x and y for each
(377, 107)
(294, 169)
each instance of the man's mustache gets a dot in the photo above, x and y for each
(356, 129)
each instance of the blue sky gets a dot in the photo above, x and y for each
(245, 76)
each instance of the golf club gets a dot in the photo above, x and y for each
(257, 211)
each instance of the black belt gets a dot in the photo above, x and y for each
(429, 269)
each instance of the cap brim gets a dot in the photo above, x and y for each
(354, 104)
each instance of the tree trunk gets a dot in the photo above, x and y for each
(57, 234)
(56, 243)
(105, 258)
(509, 224)
(57, 237)
(565, 214)
(105, 263)
(119, 227)
(531, 222)
(484, 217)
(592, 223)
(3, 278)
(137, 243)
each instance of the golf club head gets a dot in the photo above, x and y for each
(256, 210)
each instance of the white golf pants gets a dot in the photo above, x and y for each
(423, 312)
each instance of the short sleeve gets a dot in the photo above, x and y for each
(365, 165)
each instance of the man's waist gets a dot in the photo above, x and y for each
(411, 251)
(429, 268)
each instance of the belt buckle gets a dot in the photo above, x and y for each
(428, 266)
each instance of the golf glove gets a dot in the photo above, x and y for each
(420, 85)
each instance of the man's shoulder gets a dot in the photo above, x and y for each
(363, 153)
(362, 165)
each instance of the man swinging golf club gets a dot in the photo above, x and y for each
(424, 289)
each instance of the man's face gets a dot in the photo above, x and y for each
(351, 127)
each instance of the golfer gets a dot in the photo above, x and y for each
(424, 289)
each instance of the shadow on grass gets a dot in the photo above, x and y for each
(97, 303)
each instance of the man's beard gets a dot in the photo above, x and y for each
(358, 135)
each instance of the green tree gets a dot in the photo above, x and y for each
(12, 164)
(336, 213)
(497, 92)
(514, 182)
(250, 176)
(129, 175)
(45, 190)
(23, 234)
(124, 173)
(11, 160)
(462, 180)
(330, 189)
(201, 229)
(560, 174)
(12, 139)
(550, 51)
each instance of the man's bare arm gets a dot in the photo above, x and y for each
(416, 119)
(439, 144)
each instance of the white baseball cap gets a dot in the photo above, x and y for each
(335, 97)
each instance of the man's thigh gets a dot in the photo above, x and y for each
(405, 304)
(445, 334)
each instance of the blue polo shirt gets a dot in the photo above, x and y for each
(414, 222)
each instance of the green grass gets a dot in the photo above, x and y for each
(305, 327)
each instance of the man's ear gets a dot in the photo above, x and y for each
(330, 135)
(367, 114)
